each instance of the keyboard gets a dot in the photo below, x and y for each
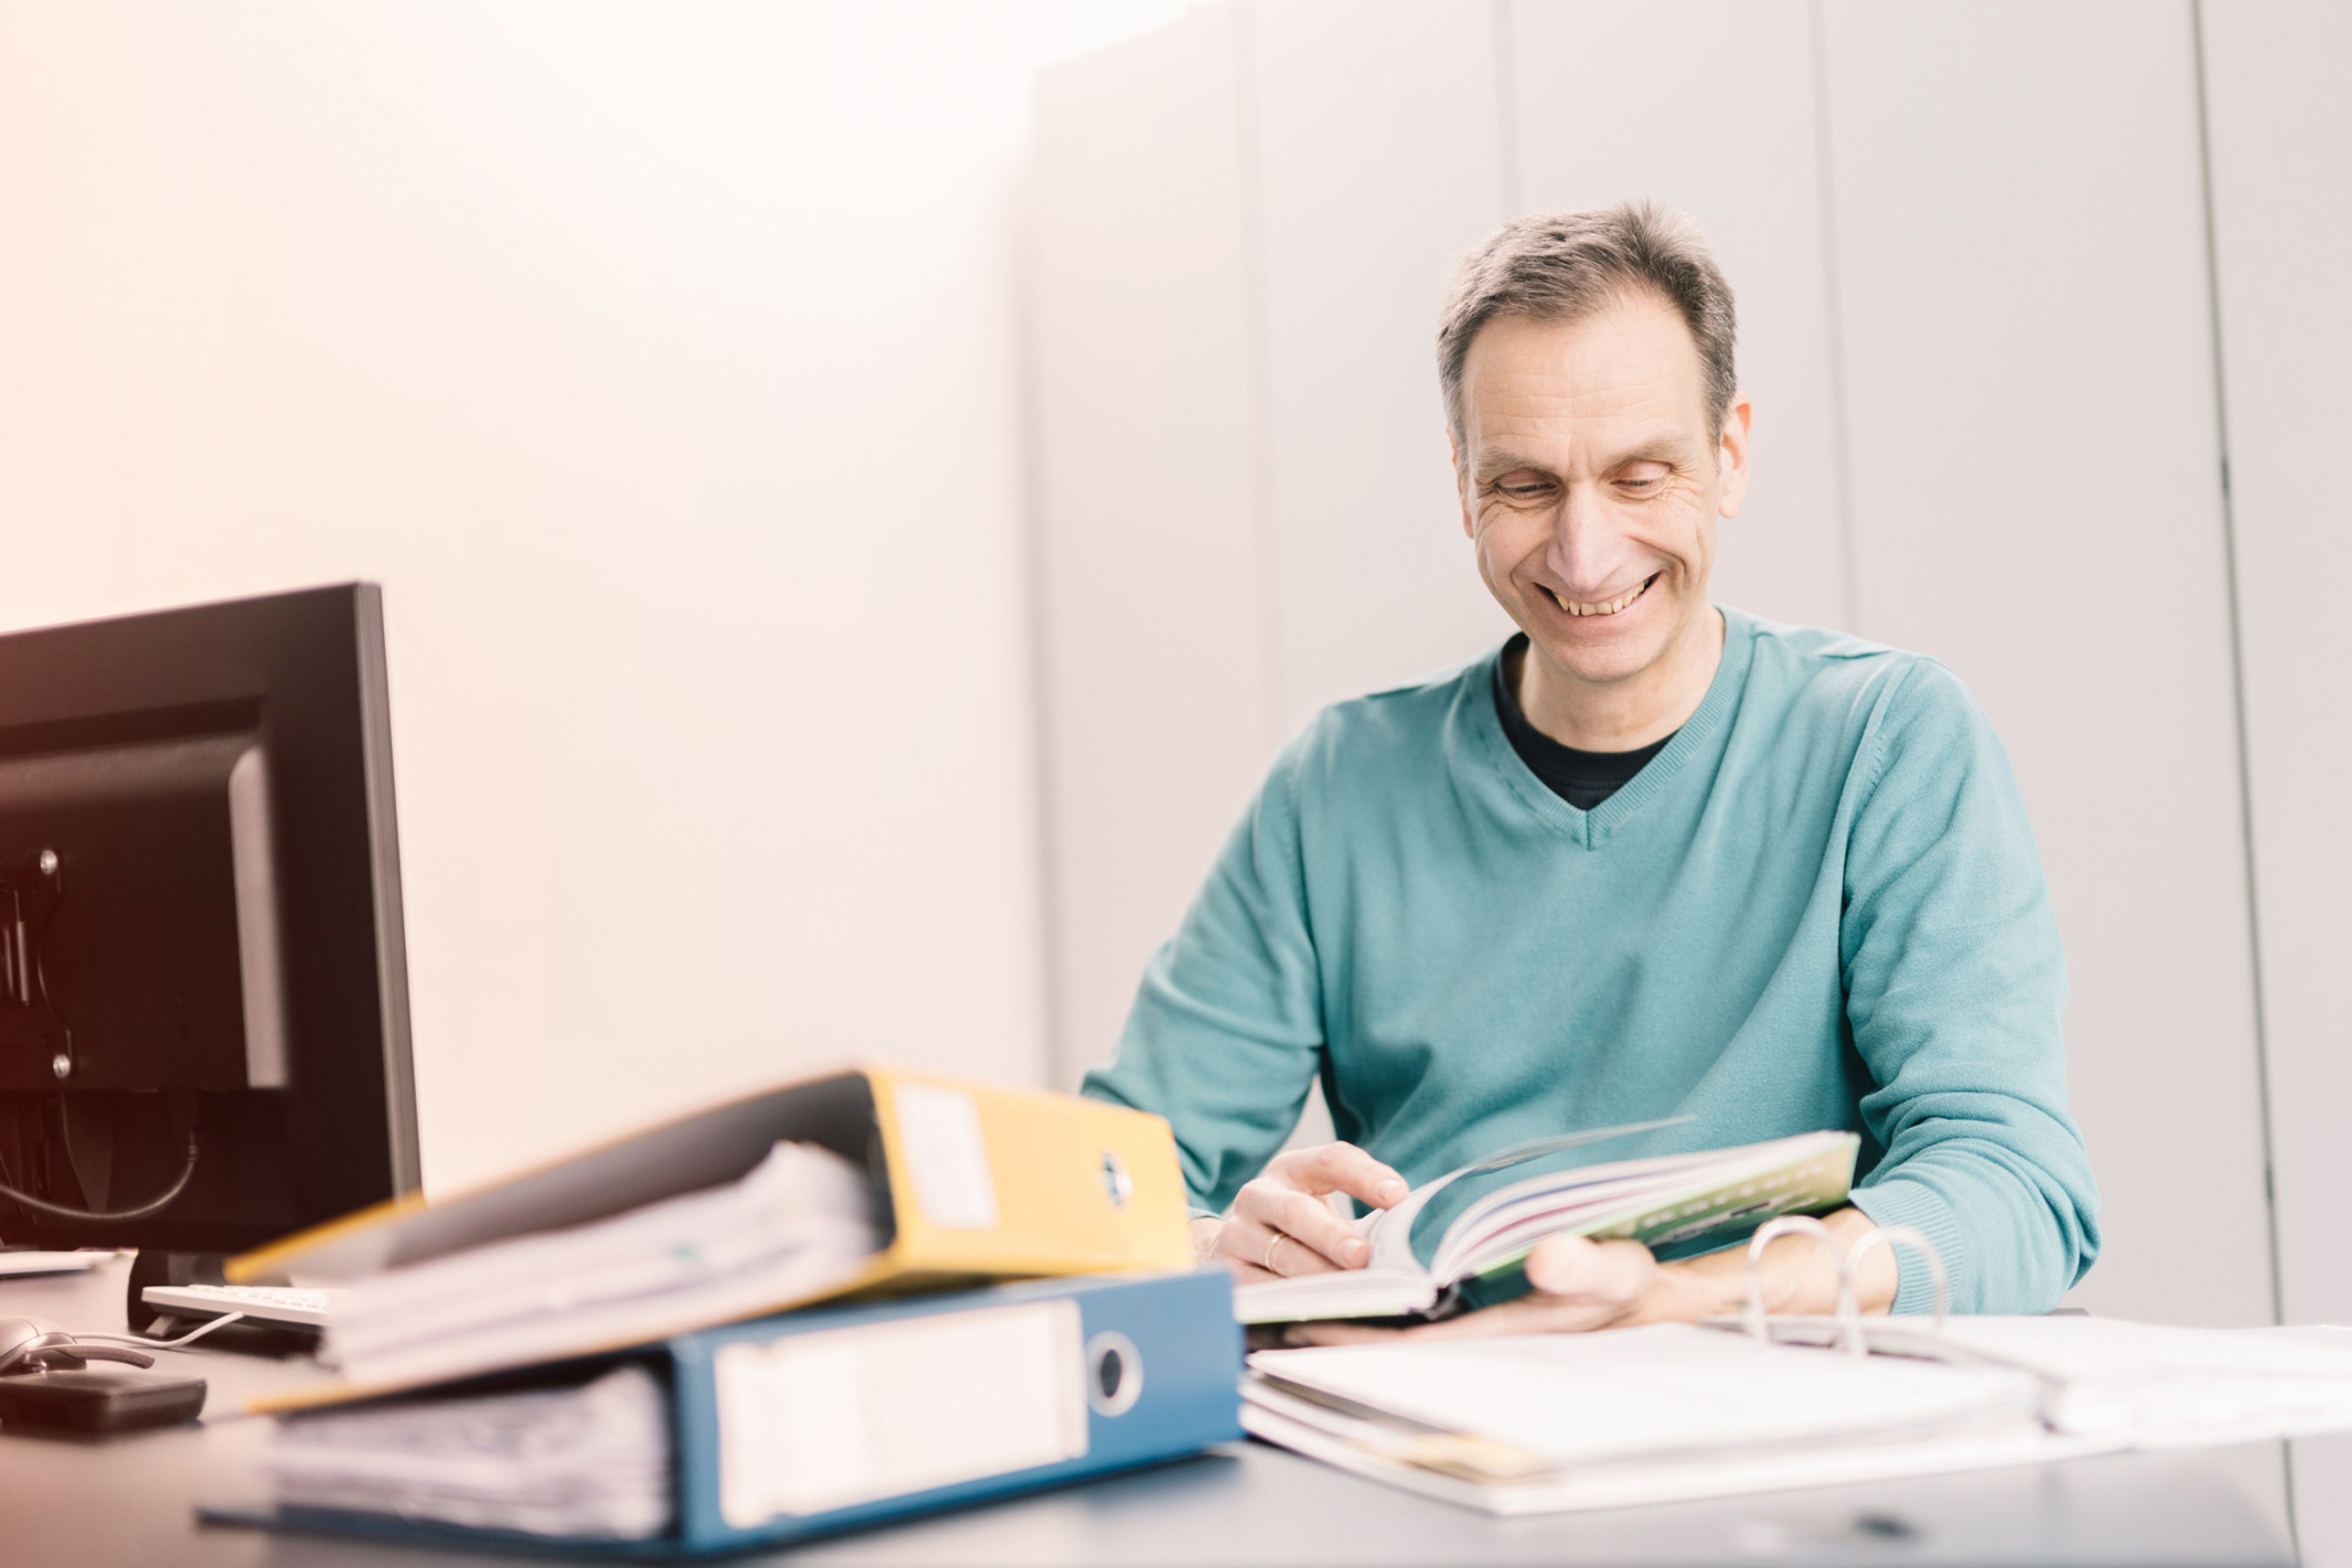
(278, 1303)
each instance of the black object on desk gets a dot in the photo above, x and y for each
(100, 1400)
(46, 1380)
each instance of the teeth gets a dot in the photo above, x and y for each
(1575, 608)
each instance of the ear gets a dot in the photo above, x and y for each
(1731, 455)
(1461, 484)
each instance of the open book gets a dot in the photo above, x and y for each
(1669, 1200)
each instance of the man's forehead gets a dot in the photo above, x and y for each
(1632, 365)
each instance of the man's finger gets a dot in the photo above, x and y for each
(1246, 1241)
(1342, 1168)
(1578, 1271)
(1308, 1220)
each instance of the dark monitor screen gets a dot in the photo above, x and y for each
(203, 1010)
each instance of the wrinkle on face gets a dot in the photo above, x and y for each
(1591, 474)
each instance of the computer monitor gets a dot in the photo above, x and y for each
(203, 992)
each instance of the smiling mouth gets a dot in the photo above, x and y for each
(1607, 606)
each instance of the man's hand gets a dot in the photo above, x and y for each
(1283, 1224)
(1581, 1284)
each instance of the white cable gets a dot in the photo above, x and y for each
(187, 1339)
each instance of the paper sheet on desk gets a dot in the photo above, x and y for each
(14, 1265)
(1689, 1481)
(2159, 1386)
(1670, 1412)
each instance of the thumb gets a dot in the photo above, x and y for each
(1578, 1268)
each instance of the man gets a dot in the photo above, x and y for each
(1649, 858)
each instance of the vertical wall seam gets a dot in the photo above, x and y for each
(1507, 107)
(2238, 708)
(1258, 313)
(1029, 387)
(2237, 646)
(1833, 315)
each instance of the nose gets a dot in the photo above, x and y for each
(1587, 552)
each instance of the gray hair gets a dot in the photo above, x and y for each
(1561, 266)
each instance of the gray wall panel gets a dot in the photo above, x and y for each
(1378, 163)
(1157, 691)
(2037, 503)
(1729, 136)
(2280, 128)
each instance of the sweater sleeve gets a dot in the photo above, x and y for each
(1225, 1036)
(1956, 988)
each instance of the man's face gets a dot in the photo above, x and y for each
(1590, 485)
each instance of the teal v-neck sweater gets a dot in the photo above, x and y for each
(1820, 906)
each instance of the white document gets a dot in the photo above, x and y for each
(1667, 1413)
(1680, 1411)
(798, 1224)
(2158, 1385)
(1575, 1400)
(1684, 1479)
(13, 1264)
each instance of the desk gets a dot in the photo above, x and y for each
(90, 1504)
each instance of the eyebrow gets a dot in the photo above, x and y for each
(1654, 447)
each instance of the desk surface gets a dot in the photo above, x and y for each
(129, 1500)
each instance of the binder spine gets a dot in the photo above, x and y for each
(1159, 1375)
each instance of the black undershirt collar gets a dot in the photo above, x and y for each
(1583, 779)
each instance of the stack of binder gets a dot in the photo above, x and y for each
(841, 1301)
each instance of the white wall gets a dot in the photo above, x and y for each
(1154, 612)
(659, 362)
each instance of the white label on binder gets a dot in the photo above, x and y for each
(947, 1156)
(814, 1422)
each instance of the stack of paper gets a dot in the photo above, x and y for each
(2158, 1385)
(1680, 1411)
(1673, 1411)
(802, 1221)
(590, 1461)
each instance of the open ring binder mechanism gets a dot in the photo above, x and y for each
(1846, 1327)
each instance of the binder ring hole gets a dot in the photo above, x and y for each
(1114, 1374)
(1116, 1179)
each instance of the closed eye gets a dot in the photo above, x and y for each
(1641, 479)
(1523, 487)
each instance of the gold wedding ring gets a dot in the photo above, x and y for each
(1277, 1239)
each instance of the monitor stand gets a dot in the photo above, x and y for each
(152, 1267)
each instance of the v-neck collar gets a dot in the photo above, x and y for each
(1590, 828)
